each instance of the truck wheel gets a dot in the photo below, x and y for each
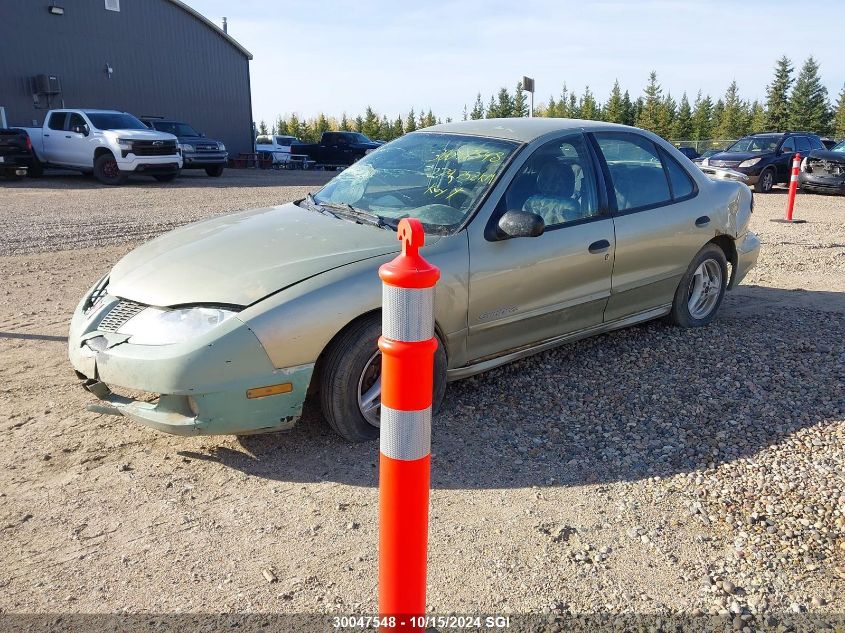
(766, 181)
(215, 171)
(36, 168)
(107, 171)
(350, 385)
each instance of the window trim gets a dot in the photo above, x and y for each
(604, 210)
(611, 194)
(665, 156)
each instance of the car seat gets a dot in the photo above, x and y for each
(553, 201)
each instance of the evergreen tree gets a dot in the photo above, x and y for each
(321, 125)
(648, 118)
(492, 109)
(371, 125)
(344, 123)
(411, 121)
(563, 104)
(682, 126)
(614, 109)
(429, 120)
(397, 130)
(477, 109)
(629, 109)
(809, 109)
(504, 104)
(550, 110)
(572, 110)
(466, 114)
(839, 116)
(732, 121)
(384, 130)
(295, 127)
(702, 116)
(588, 108)
(666, 116)
(359, 123)
(421, 119)
(716, 118)
(519, 106)
(262, 128)
(281, 125)
(777, 96)
(757, 119)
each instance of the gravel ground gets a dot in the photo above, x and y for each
(652, 470)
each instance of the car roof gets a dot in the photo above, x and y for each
(524, 129)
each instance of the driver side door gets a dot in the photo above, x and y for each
(526, 290)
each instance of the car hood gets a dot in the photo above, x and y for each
(836, 157)
(738, 156)
(143, 135)
(242, 257)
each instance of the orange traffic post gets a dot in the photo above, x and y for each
(793, 189)
(407, 345)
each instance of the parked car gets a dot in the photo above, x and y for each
(277, 146)
(16, 157)
(765, 159)
(823, 171)
(110, 144)
(689, 152)
(198, 152)
(336, 148)
(828, 143)
(545, 231)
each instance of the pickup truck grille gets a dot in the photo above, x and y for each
(120, 314)
(153, 148)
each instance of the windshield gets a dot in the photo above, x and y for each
(755, 145)
(176, 129)
(115, 121)
(437, 178)
(839, 147)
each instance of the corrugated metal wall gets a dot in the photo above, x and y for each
(166, 62)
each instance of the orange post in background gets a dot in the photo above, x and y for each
(793, 189)
(407, 345)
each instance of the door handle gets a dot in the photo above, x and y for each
(704, 220)
(599, 247)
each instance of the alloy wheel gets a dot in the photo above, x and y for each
(369, 390)
(705, 289)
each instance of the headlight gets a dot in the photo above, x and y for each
(159, 326)
(221, 147)
(749, 163)
(186, 147)
(705, 162)
(124, 143)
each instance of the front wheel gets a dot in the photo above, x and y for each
(350, 385)
(215, 171)
(765, 182)
(107, 171)
(702, 288)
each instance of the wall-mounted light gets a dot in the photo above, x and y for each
(108, 70)
(56, 10)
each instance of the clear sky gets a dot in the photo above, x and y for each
(319, 56)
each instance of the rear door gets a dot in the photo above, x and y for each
(55, 150)
(76, 145)
(530, 289)
(784, 159)
(660, 221)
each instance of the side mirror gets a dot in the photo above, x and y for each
(787, 150)
(520, 224)
(81, 129)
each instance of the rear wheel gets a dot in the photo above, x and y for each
(35, 168)
(107, 171)
(215, 171)
(350, 383)
(766, 181)
(702, 288)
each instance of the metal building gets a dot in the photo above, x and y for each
(147, 57)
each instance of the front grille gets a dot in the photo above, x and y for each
(207, 148)
(153, 148)
(120, 313)
(724, 163)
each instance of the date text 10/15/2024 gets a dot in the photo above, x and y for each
(423, 622)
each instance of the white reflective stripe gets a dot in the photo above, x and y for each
(407, 313)
(794, 178)
(405, 434)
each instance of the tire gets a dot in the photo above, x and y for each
(165, 177)
(343, 378)
(766, 181)
(107, 171)
(215, 171)
(36, 168)
(703, 286)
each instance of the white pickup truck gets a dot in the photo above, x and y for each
(278, 146)
(107, 143)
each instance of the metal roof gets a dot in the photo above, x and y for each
(199, 16)
(523, 129)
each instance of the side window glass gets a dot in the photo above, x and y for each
(802, 144)
(635, 169)
(75, 120)
(789, 144)
(557, 183)
(682, 183)
(815, 142)
(57, 121)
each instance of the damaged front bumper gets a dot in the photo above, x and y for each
(201, 384)
(821, 183)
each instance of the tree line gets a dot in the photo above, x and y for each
(792, 103)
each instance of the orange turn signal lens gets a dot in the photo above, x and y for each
(270, 390)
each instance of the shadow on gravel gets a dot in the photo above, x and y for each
(232, 178)
(649, 400)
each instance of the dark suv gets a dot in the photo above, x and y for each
(198, 152)
(765, 158)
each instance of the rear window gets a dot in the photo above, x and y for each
(682, 184)
(635, 169)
